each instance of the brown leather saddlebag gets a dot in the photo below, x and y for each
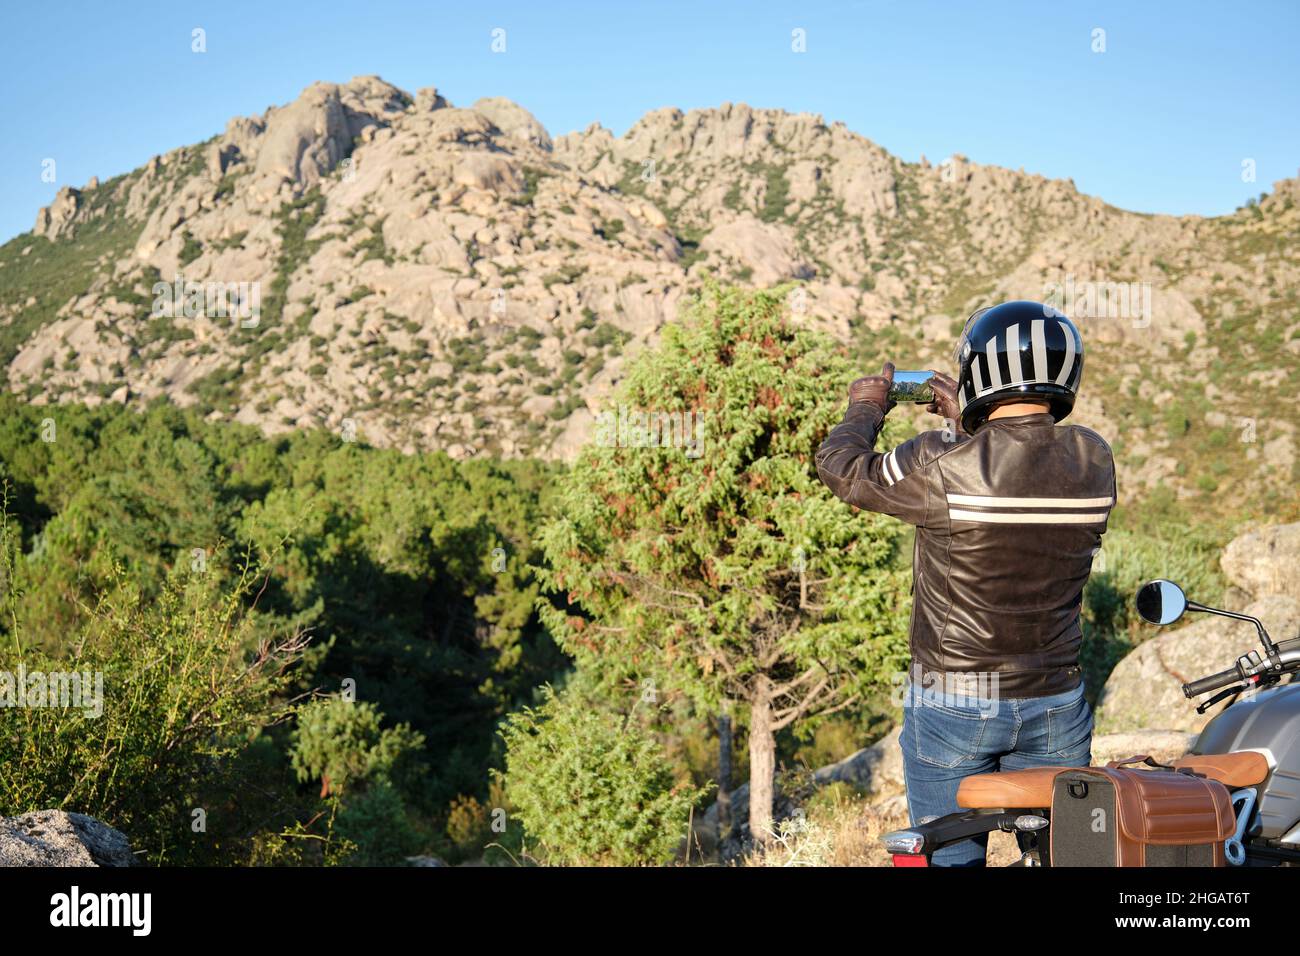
(1117, 816)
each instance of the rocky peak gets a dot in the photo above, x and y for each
(307, 139)
(57, 218)
(514, 121)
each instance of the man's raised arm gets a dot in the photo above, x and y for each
(891, 483)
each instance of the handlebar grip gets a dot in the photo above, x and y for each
(1198, 687)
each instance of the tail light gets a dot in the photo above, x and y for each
(906, 848)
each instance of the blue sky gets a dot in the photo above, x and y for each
(1159, 122)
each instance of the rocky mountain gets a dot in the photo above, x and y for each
(438, 277)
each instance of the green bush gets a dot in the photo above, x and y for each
(191, 250)
(341, 743)
(776, 195)
(591, 788)
(532, 179)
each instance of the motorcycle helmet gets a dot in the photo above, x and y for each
(1017, 351)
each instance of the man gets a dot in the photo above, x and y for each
(1009, 510)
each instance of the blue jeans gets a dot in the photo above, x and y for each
(943, 744)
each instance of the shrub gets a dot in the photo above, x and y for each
(776, 194)
(182, 696)
(532, 179)
(375, 821)
(469, 825)
(592, 788)
(342, 744)
(191, 250)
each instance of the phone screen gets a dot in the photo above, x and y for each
(912, 386)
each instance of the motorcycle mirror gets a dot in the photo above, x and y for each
(1161, 602)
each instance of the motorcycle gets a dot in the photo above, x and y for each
(1252, 747)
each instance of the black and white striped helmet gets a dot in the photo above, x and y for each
(1017, 350)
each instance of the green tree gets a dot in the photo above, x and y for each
(155, 512)
(376, 825)
(342, 744)
(734, 577)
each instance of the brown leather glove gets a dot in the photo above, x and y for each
(874, 389)
(945, 400)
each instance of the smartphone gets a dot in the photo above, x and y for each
(912, 386)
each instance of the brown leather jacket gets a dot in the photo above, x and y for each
(1007, 520)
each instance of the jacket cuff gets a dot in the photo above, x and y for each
(865, 412)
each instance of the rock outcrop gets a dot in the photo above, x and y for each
(760, 251)
(307, 139)
(513, 120)
(56, 838)
(1265, 561)
(56, 219)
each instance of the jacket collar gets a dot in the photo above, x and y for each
(1034, 418)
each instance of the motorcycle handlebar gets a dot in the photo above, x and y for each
(1213, 682)
(1285, 658)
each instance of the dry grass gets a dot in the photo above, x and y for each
(841, 828)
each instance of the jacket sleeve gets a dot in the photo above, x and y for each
(892, 483)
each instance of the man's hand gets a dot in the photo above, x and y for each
(945, 399)
(874, 389)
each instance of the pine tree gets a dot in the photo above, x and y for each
(727, 572)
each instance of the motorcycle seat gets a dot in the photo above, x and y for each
(1032, 788)
(1009, 789)
(1244, 768)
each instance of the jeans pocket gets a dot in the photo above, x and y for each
(1069, 729)
(945, 737)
